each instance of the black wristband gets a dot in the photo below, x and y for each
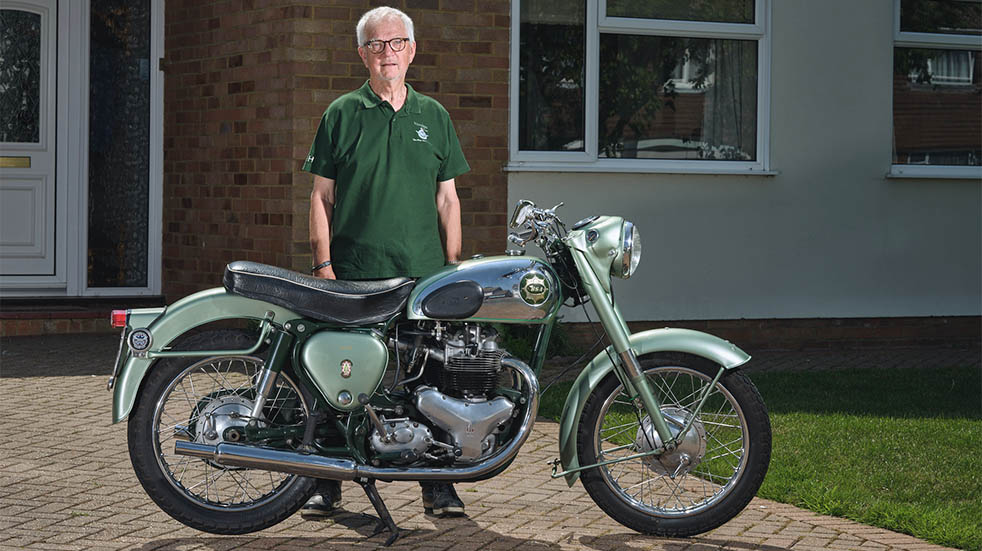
(324, 264)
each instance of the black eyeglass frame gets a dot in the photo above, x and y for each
(404, 41)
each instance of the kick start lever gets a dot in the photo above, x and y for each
(383, 434)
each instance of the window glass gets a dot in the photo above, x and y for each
(20, 76)
(941, 16)
(551, 76)
(119, 143)
(677, 98)
(726, 11)
(937, 115)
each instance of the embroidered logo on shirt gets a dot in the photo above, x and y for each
(421, 132)
(310, 159)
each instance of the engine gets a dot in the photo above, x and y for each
(472, 362)
(452, 373)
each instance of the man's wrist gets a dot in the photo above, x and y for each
(324, 264)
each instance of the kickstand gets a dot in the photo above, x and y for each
(385, 519)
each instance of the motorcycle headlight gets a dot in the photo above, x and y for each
(630, 256)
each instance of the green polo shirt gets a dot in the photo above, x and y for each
(385, 165)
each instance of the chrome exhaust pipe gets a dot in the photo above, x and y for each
(238, 455)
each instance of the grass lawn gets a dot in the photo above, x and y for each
(900, 449)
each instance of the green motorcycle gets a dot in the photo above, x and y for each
(230, 428)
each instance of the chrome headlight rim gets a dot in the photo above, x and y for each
(630, 249)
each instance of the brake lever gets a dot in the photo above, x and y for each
(553, 210)
(522, 238)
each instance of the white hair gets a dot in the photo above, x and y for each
(373, 17)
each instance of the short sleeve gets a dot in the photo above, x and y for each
(454, 164)
(320, 160)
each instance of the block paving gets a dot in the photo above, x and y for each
(66, 484)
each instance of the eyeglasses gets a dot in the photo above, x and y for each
(378, 46)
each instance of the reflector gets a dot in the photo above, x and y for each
(118, 318)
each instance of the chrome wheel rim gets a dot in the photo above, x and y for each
(220, 388)
(691, 489)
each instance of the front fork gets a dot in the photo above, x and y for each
(628, 370)
(640, 390)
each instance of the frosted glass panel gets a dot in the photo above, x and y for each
(119, 143)
(20, 76)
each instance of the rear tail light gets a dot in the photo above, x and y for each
(118, 318)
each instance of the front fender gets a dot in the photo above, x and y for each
(646, 342)
(175, 320)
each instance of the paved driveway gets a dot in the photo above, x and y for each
(66, 483)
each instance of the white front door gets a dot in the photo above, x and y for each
(28, 135)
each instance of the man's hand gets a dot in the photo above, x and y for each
(327, 272)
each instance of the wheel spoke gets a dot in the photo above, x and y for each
(221, 388)
(610, 437)
(646, 482)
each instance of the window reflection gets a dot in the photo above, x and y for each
(678, 98)
(551, 77)
(937, 113)
(728, 11)
(941, 16)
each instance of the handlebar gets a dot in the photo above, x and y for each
(538, 223)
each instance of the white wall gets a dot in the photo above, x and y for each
(830, 235)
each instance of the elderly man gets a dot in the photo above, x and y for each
(384, 202)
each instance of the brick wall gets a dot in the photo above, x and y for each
(246, 82)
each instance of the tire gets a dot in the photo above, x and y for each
(728, 445)
(178, 398)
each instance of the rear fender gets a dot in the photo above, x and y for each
(656, 340)
(167, 324)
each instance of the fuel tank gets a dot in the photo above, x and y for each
(504, 289)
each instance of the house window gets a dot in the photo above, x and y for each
(937, 115)
(639, 85)
(551, 82)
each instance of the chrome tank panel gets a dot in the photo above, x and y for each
(516, 289)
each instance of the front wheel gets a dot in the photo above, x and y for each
(209, 401)
(711, 475)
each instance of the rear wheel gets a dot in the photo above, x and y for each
(209, 401)
(708, 479)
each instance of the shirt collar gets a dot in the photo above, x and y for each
(370, 99)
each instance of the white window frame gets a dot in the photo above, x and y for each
(598, 22)
(908, 39)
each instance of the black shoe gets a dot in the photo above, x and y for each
(325, 502)
(440, 499)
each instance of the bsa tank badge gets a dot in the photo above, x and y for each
(534, 289)
(346, 368)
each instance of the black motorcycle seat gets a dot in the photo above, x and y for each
(328, 300)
